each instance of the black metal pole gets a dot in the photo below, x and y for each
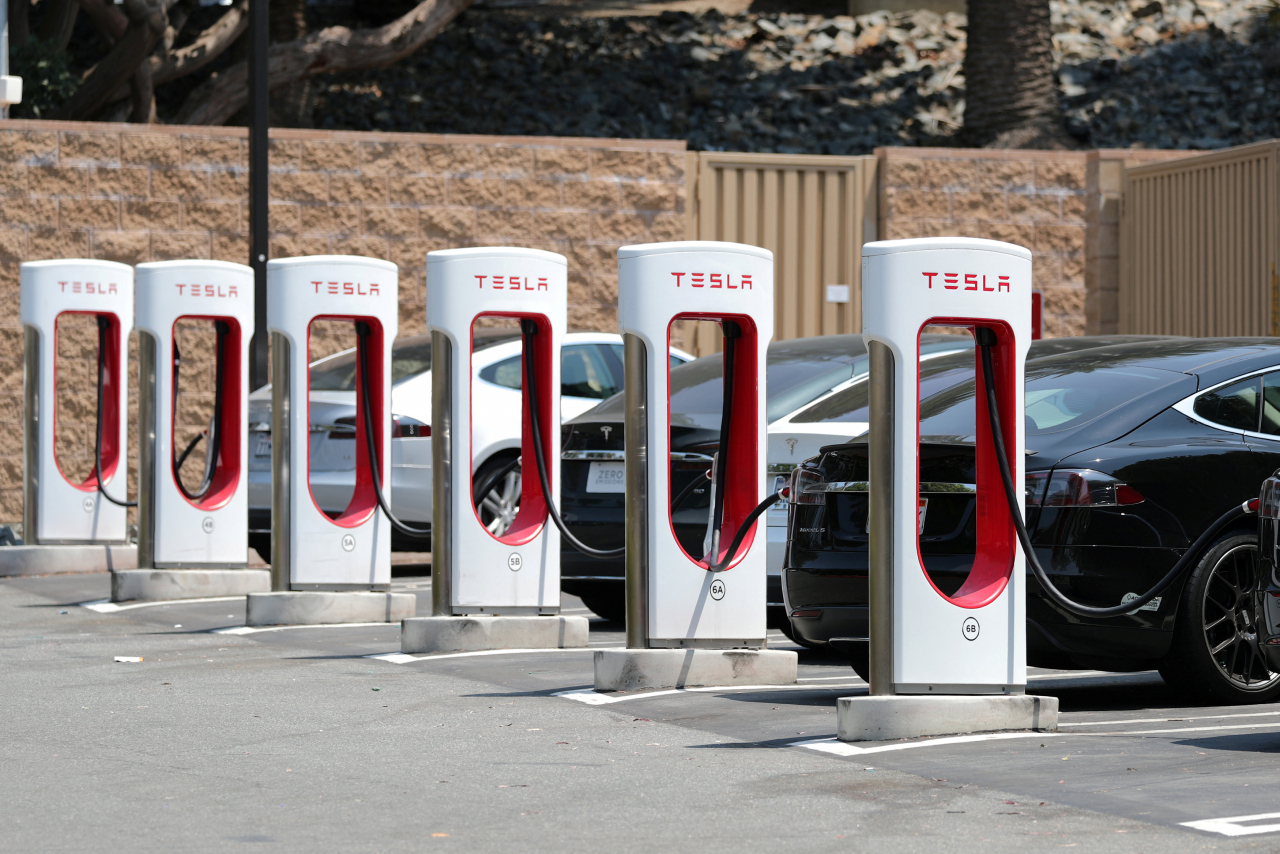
(259, 164)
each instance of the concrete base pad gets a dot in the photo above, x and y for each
(881, 718)
(637, 669)
(318, 607)
(158, 585)
(470, 633)
(52, 560)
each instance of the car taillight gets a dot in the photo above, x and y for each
(801, 480)
(1079, 488)
(1269, 500)
(404, 427)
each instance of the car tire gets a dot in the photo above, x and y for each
(1214, 654)
(499, 506)
(607, 605)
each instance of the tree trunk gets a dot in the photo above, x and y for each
(58, 22)
(19, 22)
(147, 23)
(1011, 94)
(330, 50)
(290, 104)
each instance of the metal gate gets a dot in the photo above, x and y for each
(1199, 239)
(812, 211)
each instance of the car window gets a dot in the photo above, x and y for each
(850, 405)
(583, 373)
(617, 350)
(1234, 407)
(1271, 404)
(409, 357)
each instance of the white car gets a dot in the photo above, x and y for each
(590, 370)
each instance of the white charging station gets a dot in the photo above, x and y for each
(937, 659)
(91, 533)
(326, 570)
(493, 591)
(192, 542)
(682, 617)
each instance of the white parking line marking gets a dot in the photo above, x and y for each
(843, 748)
(591, 698)
(1171, 720)
(401, 658)
(1232, 826)
(253, 630)
(106, 606)
(1184, 729)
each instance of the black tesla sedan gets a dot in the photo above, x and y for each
(798, 372)
(1133, 451)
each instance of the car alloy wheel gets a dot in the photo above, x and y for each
(1227, 615)
(500, 504)
(1214, 653)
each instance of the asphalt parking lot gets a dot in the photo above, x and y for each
(327, 738)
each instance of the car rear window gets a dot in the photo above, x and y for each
(850, 405)
(409, 357)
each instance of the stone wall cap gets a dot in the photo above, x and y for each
(644, 249)
(330, 260)
(440, 256)
(918, 244)
(80, 262)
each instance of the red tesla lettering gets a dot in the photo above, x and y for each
(333, 287)
(373, 288)
(970, 281)
(111, 289)
(64, 286)
(480, 281)
(75, 287)
(695, 279)
(497, 283)
(984, 285)
(1003, 284)
(929, 276)
(317, 284)
(746, 283)
(678, 275)
(951, 281)
(715, 280)
(179, 287)
(542, 284)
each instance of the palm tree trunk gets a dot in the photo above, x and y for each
(1011, 96)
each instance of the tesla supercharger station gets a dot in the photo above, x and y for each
(936, 660)
(192, 542)
(328, 570)
(493, 591)
(59, 511)
(687, 624)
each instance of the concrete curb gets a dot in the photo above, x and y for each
(472, 633)
(882, 718)
(158, 585)
(55, 560)
(315, 607)
(635, 669)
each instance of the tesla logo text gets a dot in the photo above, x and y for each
(89, 287)
(791, 443)
(350, 289)
(512, 283)
(713, 280)
(952, 282)
(207, 290)
(606, 430)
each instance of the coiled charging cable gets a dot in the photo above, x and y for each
(104, 325)
(986, 340)
(363, 331)
(213, 448)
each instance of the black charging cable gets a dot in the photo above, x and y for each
(528, 329)
(213, 448)
(986, 340)
(364, 332)
(104, 326)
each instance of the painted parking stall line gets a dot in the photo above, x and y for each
(1238, 825)
(836, 747)
(594, 698)
(253, 630)
(106, 606)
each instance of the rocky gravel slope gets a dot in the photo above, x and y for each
(1179, 74)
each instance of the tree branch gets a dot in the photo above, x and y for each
(207, 46)
(109, 21)
(330, 50)
(147, 22)
(58, 22)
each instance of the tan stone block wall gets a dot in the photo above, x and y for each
(1036, 199)
(135, 193)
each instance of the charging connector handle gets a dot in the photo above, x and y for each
(985, 343)
(528, 329)
(103, 326)
(364, 332)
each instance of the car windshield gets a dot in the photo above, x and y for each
(850, 405)
(1058, 397)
